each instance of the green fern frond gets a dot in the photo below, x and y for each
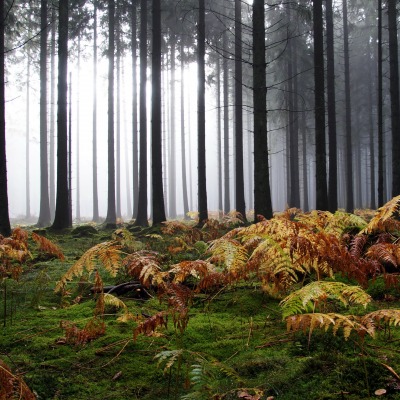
(340, 222)
(228, 253)
(111, 300)
(168, 358)
(108, 253)
(306, 298)
(386, 219)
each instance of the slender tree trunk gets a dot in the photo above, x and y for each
(262, 191)
(164, 105)
(183, 142)
(227, 203)
(394, 95)
(320, 150)
(239, 187)
(53, 115)
(201, 116)
(380, 109)
(27, 126)
(135, 149)
(96, 217)
(219, 138)
(111, 218)
(172, 149)
(61, 219)
(156, 141)
(305, 162)
(141, 219)
(333, 204)
(118, 125)
(5, 227)
(78, 194)
(70, 219)
(349, 149)
(44, 214)
(372, 190)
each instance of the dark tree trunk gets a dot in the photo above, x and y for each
(135, 150)
(27, 126)
(380, 109)
(349, 149)
(111, 218)
(305, 162)
(141, 219)
(333, 203)
(172, 149)
(52, 116)
(70, 150)
(118, 114)
(239, 175)
(372, 191)
(78, 83)
(183, 142)
(219, 137)
(61, 219)
(394, 95)
(5, 228)
(201, 116)
(262, 191)
(44, 214)
(96, 217)
(320, 150)
(156, 142)
(227, 203)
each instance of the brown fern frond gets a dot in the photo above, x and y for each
(46, 246)
(357, 245)
(386, 218)
(107, 252)
(392, 280)
(197, 269)
(387, 316)
(21, 235)
(145, 266)
(174, 227)
(214, 281)
(12, 386)
(76, 336)
(148, 326)
(385, 253)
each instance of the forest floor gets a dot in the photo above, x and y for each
(230, 341)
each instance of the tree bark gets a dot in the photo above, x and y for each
(111, 218)
(320, 151)
(201, 117)
(156, 142)
(227, 203)
(5, 228)
(262, 191)
(61, 218)
(380, 109)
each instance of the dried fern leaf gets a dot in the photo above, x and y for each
(148, 326)
(386, 217)
(47, 246)
(386, 253)
(389, 316)
(145, 265)
(108, 253)
(306, 298)
(197, 269)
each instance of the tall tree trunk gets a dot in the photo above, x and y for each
(305, 161)
(219, 137)
(78, 83)
(394, 95)
(349, 149)
(380, 109)
(227, 203)
(70, 219)
(52, 115)
(239, 187)
(96, 217)
(44, 214)
(320, 150)
(156, 142)
(5, 228)
(172, 149)
(201, 116)
(372, 190)
(135, 149)
(27, 126)
(262, 191)
(61, 218)
(183, 142)
(111, 218)
(118, 138)
(333, 203)
(141, 219)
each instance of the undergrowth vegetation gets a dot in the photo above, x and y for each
(305, 305)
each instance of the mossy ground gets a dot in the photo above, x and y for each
(235, 339)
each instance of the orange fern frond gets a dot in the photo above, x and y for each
(148, 326)
(197, 269)
(386, 218)
(388, 316)
(76, 336)
(385, 253)
(357, 245)
(108, 253)
(47, 246)
(12, 386)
